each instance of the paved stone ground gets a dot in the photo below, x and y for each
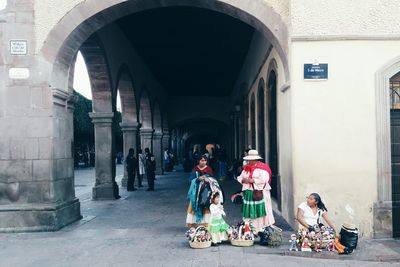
(147, 229)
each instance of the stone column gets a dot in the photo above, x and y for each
(105, 186)
(165, 145)
(158, 152)
(129, 130)
(146, 138)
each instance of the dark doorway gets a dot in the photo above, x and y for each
(273, 137)
(261, 118)
(395, 145)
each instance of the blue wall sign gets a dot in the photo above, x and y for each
(315, 71)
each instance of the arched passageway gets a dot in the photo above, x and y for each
(179, 84)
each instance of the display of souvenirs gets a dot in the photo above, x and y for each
(242, 234)
(199, 237)
(331, 246)
(306, 245)
(242, 231)
(318, 239)
(293, 243)
(318, 246)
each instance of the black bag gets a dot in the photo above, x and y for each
(271, 236)
(205, 197)
(349, 238)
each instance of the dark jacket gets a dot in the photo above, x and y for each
(131, 163)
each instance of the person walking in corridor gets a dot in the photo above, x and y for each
(255, 179)
(131, 168)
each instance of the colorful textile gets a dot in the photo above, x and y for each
(250, 208)
(259, 165)
(191, 217)
(217, 225)
(197, 213)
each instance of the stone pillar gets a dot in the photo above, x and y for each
(158, 152)
(146, 138)
(165, 145)
(129, 130)
(105, 186)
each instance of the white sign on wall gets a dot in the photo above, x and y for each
(18, 73)
(18, 47)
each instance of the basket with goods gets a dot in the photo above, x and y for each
(199, 237)
(242, 235)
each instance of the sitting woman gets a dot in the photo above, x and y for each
(309, 213)
(196, 215)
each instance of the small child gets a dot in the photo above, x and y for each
(217, 226)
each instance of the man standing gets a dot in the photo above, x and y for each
(131, 168)
(150, 170)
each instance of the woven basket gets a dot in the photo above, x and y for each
(242, 243)
(196, 244)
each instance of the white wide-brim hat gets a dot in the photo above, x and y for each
(252, 155)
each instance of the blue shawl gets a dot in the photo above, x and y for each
(193, 195)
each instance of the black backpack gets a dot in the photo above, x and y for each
(349, 238)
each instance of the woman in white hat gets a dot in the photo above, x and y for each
(256, 176)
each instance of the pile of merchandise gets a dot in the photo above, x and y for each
(199, 237)
(317, 239)
(242, 234)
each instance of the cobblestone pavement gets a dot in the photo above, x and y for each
(147, 229)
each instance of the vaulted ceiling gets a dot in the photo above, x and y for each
(191, 51)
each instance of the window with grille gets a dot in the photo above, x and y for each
(395, 94)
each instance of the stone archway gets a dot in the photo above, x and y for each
(383, 220)
(129, 124)
(86, 18)
(261, 117)
(54, 55)
(102, 117)
(252, 127)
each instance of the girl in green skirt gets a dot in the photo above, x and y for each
(217, 226)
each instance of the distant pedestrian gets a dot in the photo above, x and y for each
(142, 166)
(131, 168)
(151, 171)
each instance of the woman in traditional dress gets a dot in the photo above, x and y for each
(256, 176)
(197, 215)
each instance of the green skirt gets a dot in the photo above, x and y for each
(250, 208)
(217, 226)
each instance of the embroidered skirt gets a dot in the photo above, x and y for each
(252, 209)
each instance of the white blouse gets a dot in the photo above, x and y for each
(261, 178)
(217, 211)
(309, 217)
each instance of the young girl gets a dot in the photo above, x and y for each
(217, 226)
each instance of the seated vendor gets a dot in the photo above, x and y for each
(309, 213)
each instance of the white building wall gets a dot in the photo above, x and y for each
(334, 126)
(345, 18)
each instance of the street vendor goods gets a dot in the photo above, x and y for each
(199, 237)
(242, 234)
